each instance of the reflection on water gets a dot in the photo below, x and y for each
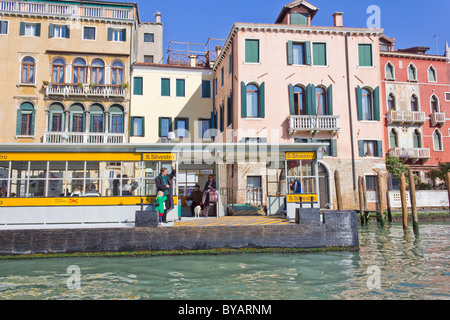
(411, 267)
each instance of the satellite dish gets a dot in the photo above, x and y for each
(171, 136)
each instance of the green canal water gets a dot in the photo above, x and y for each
(390, 265)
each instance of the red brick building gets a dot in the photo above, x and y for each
(416, 93)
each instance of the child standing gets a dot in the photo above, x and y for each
(159, 204)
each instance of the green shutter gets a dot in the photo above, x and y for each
(131, 129)
(22, 29)
(143, 127)
(243, 100)
(165, 87)
(222, 120)
(359, 102)
(180, 88)
(262, 100)
(67, 31)
(319, 54)
(252, 50)
(138, 86)
(361, 148)
(291, 100)
(290, 52)
(311, 100)
(51, 30)
(124, 35)
(376, 103)
(160, 126)
(18, 122)
(380, 148)
(110, 34)
(365, 55)
(330, 100)
(333, 148)
(308, 52)
(38, 29)
(230, 110)
(299, 19)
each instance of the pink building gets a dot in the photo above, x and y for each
(292, 82)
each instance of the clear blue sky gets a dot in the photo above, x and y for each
(411, 22)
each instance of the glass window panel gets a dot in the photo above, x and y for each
(298, 50)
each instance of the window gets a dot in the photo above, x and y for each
(393, 139)
(230, 109)
(368, 104)
(417, 139)
(412, 74)
(215, 86)
(76, 118)
(4, 27)
(206, 88)
(181, 127)
(98, 71)
(222, 76)
(58, 71)
(390, 71)
(298, 53)
(25, 119)
(253, 101)
(252, 50)
(89, 33)
(28, 70)
(432, 75)
(30, 29)
(391, 102)
(117, 73)
(319, 54)
(56, 118)
(137, 127)
(149, 37)
(434, 104)
(180, 88)
(370, 148)
(138, 86)
(148, 59)
(447, 96)
(116, 119)
(437, 141)
(414, 103)
(230, 64)
(300, 101)
(299, 19)
(165, 87)
(321, 101)
(365, 55)
(79, 71)
(58, 31)
(331, 149)
(165, 126)
(117, 35)
(97, 119)
(371, 183)
(204, 128)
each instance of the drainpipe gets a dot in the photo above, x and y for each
(350, 109)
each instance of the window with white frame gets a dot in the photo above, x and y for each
(437, 141)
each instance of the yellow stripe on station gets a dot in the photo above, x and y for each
(69, 156)
(233, 221)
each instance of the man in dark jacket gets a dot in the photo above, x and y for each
(164, 182)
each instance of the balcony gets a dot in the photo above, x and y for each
(83, 138)
(405, 117)
(414, 154)
(437, 119)
(77, 90)
(66, 10)
(314, 124)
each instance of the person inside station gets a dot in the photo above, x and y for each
(3, 193)
(196, 198)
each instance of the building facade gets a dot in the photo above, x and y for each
(291, 82)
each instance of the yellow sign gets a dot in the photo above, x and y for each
(159, 157)
(297, 198)
(81, 201)
(69, 156)
(300, 155)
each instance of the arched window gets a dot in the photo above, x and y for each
(97, 118)
(389, 71)
(252, 101)
(116, 119)
(417, 139)
(412, 73)
(98, 71)
(321, 101)
(28, 70)
(58, 67)
(77, 118)
(437, 140)
(56, 118)
(393, 139)
(117, 73)
(79, 71)
(391, 102)
(25, 119)
(434, 104)
(432, 77)
(414, 103)
(300, 101)
(367, 104)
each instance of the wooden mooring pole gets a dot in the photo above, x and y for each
(412, 197)
(404, 202)
(380, 199)
(448, 189)
(337, 182)
(361, 199)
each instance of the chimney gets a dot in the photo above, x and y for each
(193, 60)
(338, 19)
(158, 17)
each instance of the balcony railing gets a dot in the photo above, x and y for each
(67, 10)
(413, 117)
(314, 124)
(437, 118)
(414, 154)
(67, 90)
(83, 138)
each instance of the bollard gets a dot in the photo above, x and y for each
(412, 196)
(404, 203)
(337, 182)
(361, 199)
